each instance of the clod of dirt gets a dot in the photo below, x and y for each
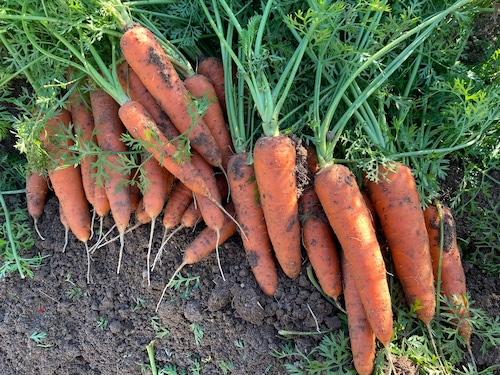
(246, 304)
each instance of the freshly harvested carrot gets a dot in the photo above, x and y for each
(109, 130)
(361, 335)
(257, 245)
(148, 60)
(274, 165)
(349, 218)
(83, 121)
(319, 243)
(191, 216)
(447, 264)
(201, 87)
(67, 180)
(176, 205)
(37, 190)
(397, 203)
(204, 244)
(212, 68)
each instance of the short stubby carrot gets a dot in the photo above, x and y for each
(176, 205)
(201, 87)
(452, 275)
(397, 203)
(159, 186)
(349, 218)
(319, 242)
(37, 189)
(212, 68)
(257, 245)
(361, 335)
(274, 165)
(147, 58)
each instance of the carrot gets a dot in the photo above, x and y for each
(83, 120)
(257, 245)
(67, 180)
(349, 218)
(201, 87)
(203, 245)
(319, 243)
(37, 190)
(447, 264)
(397, 203)
(147, 58)
(176, 205)
(109, 130)
(212, 68)
(361, 334)
(274, 164)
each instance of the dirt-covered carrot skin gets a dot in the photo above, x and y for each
(160, 184)
(212, 68)
(67, 180)
(177, 203)
(37, 189)
(109, 130)
(319, 242)
(397, 203)
(83, 121)
(201, 87)
(361, 335)
(147, 58)
(142, 126)
(274, 165)
(453, 283)
(349, 218)
(257, 245)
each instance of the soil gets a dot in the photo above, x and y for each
(103, 327)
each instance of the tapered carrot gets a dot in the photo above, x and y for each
(204, 244)
(349, 218)
(257, 245)
(447, 263)
(147, 58)
(212, 68)
(361, 335)
(67, 180)
(37, 190)
(109, 130)
(176, 205)
(274, 164)
(397, 203)
(201, 87)
(319, 243)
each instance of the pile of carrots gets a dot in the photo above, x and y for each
(343, 227)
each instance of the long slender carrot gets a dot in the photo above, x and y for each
(257, 245)
(37, 190)
(319, 242)
(109, 130)
(67, 180)
(212, 68)
(204, 244)
(397, 202)
(447, 264)
(361, 334)
(348, 216)
(274, 164)
(148, 60)
(201, 87)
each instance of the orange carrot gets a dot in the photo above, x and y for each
(109, 130)
(274, 164)
(447, 264)
(37, 190)
(201, 87)
(67, 180)
(349, 218)
(176, 205)
(257, 245)
(191, 216)
(361, 334)
(319, 243)
(204, 244)
(147, 58)
(397, 203)
(212, 68)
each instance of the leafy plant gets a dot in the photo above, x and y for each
(198, 332)
(184, 281)
(158, 328)
(39, 339)
(102, 323)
